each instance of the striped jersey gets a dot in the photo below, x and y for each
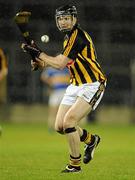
(83, 66)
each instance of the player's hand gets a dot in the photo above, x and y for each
(34, 66)
(32, 50)
(38, 63)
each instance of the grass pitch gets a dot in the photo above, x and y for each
(29, 152)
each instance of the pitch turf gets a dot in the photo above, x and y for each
(29, 152)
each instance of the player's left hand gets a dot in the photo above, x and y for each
(38, 63)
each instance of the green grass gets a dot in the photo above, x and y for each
(29, 152)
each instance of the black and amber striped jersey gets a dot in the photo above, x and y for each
(83, 66)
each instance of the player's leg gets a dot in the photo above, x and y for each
(62, 110)
(72, 117)
(89, 98)
(94, 95)
(66, 103)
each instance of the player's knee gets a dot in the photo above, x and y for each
(69, 121)
(59, 129)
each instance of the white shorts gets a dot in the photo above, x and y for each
(91, 93)
(56, 97)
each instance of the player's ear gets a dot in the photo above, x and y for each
(74, 20)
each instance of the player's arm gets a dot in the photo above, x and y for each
(43, 60)
(58, 62)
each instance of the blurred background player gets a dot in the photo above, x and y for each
(57, 81)
(3, 74)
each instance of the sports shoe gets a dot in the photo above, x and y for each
(71, 169)
(90, 148)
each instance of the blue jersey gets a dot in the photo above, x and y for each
(58, 79)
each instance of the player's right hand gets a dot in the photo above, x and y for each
(34, 51)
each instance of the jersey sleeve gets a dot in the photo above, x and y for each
(75, 45)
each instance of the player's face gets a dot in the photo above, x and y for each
(65, 22)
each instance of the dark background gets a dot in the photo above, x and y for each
(111, 24)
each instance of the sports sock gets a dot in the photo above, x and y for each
(75, 162)
(86, 137)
